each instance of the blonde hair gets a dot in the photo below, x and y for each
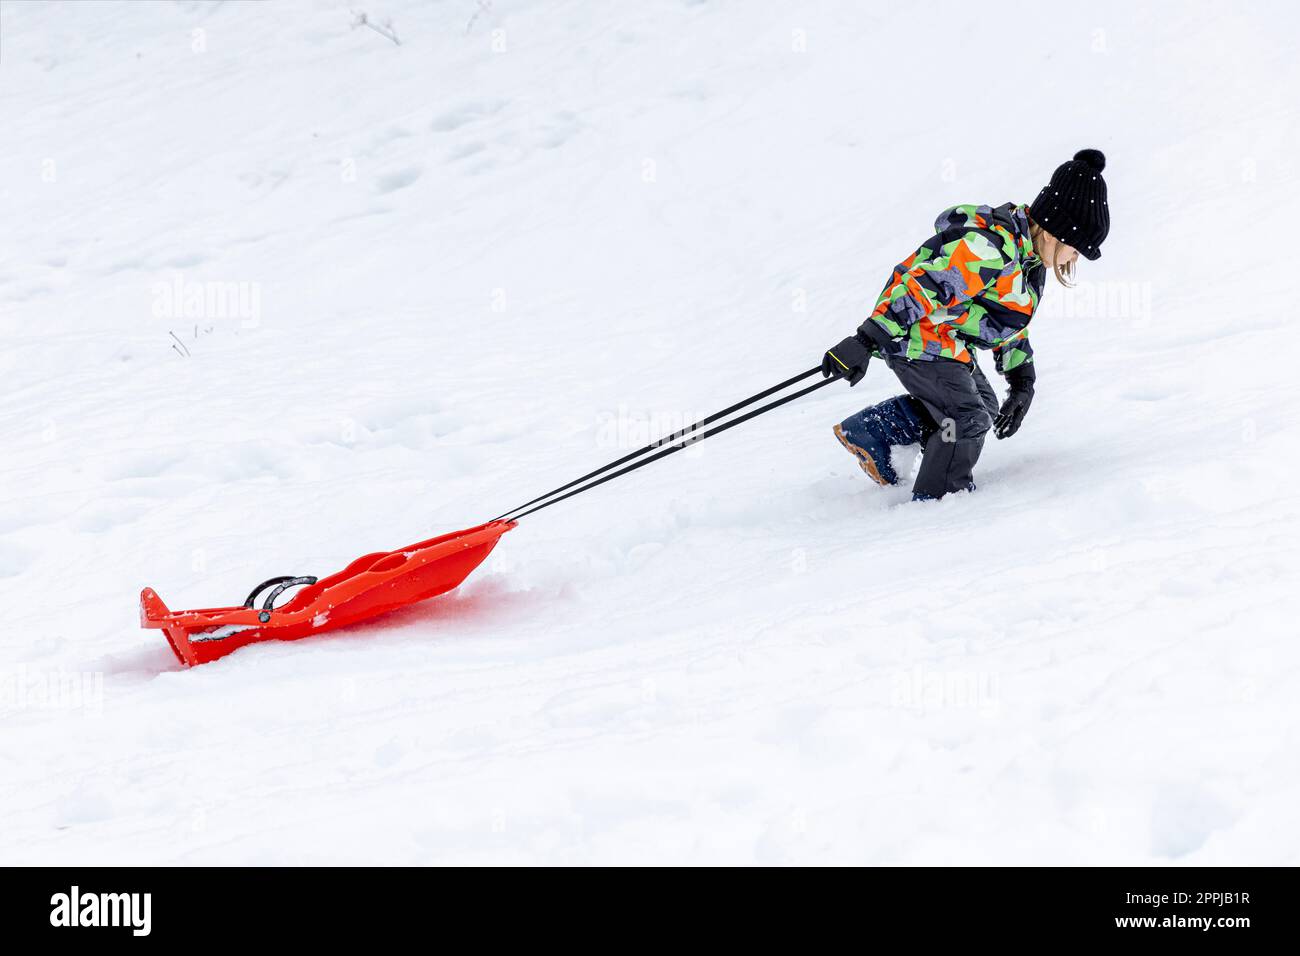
(1064, 271)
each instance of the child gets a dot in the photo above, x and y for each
(975, 284)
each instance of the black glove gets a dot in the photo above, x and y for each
(849, 358)
(1013, 410)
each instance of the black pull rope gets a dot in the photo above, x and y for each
(683, 443)
(660, 442)
(282, 586)
(282, 582)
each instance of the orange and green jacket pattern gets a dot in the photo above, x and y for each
(975, 283)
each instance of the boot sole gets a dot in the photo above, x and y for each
(865, 461)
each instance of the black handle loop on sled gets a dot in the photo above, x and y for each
(282, 583)
(670, 443)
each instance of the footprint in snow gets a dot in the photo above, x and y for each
(465, 150)
(389, 135)
(1183, 817)
(82, 806)
(391, 182)
(185, 261)
(149, 464)
(13, 559)
(464, 115)
(562, 128)
(104, 515)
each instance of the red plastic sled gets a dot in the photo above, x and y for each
(367, 587)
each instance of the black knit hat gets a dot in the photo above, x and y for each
(1072, 207)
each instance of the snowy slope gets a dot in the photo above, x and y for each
(531, 237)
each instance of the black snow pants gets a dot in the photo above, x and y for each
(963, 405)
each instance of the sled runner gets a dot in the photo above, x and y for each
(368, 586)
(387, 580)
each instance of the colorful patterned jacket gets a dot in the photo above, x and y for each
(974, 284)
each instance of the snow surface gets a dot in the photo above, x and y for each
(536, 234)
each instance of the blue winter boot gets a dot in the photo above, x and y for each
(870, 434)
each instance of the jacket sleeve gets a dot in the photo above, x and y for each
(955, 265)
(1014, 360)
